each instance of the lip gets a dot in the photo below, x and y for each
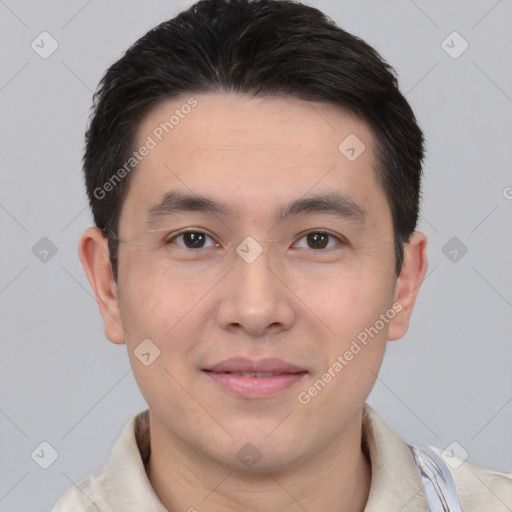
(255, 387)
(245, 365)
(286, 376)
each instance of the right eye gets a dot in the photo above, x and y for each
(191, 240)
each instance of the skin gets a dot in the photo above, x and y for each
(296, 302)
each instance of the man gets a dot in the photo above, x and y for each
(254, 176)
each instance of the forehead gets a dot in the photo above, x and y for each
(244, 123)
(240, 148)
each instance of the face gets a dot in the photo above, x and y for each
(289, 256)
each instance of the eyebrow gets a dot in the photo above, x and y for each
(175, 203)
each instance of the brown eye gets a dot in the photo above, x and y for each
(191, 240)
(319, 240)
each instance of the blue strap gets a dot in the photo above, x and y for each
(439, 486)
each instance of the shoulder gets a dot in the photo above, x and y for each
(479, 488)
(85, 496)
(121, 482)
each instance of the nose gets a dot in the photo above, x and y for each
(255, 299)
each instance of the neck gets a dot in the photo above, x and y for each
(337, 479)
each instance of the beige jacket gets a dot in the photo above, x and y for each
(396, 486)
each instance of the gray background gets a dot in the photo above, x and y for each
(63, 382)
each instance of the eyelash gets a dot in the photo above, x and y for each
(171, 239)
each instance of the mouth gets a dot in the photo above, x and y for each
(250, 379)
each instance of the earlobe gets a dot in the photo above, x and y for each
(94, 255)
(408, 283)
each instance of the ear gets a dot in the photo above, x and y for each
(94, 255)
(408, 284)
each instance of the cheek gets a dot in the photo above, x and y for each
(358, 311)
(172, 313)
(154, 301)
(164, 321)
(160, 291)
(349, 302)
(354, 348)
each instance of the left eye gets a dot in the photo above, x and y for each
(318, 239)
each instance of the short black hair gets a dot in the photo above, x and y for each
(260, 48)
